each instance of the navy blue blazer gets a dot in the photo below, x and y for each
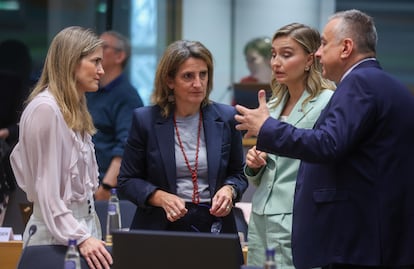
(149, 160)
(354, 198)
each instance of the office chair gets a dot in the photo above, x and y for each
(45, 256)
(241, 223)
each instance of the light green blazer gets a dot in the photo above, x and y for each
(275, 181)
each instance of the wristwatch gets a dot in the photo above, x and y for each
(106, 186)
(233, 192)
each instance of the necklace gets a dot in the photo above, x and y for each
(193, 171)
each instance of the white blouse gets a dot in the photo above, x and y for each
(54, 166)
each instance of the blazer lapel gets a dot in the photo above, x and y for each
(213, 132)
(164, 131)
(278, 110)
(297, 112)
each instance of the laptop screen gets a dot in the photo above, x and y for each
(149, 249)
(245, 94)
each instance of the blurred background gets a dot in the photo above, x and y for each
(224, 26)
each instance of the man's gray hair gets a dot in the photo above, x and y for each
(359, 27)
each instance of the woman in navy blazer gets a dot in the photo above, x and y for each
(183, 160)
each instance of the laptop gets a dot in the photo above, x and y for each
(147, 249)
(245, 94)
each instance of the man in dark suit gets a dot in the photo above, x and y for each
(353, 205)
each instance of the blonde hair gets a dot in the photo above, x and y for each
(174, 56)
(66, 51)
(309, 39)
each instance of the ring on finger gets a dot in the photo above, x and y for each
(172, 213)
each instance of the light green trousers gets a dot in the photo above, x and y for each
(270, 231)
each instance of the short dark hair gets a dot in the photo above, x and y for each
(123, 44)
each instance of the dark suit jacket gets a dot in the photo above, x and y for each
(354, 199)
(149, 160)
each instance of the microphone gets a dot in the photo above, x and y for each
(32, 231)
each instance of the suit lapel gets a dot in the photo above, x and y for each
(164, 131)
(297, 112)
(213, 132)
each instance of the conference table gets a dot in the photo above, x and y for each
(10, 254)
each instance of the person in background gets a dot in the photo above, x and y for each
(299, 95)
(15, 71)
(257, 53)
(183, 160)
(353, 204)
(111, 109)
(54, 161)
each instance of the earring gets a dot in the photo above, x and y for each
(171, 98)
(307, 68)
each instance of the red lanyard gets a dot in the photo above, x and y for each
(196, 194)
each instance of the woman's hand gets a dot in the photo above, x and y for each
(255, 159)
(222, 202)
(173, 205)
(95, 253)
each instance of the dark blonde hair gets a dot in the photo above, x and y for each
(66, 51)
(309, 39)
(174, 56)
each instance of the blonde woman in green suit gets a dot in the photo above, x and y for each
(299, 96)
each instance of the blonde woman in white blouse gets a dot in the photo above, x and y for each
(54, 160)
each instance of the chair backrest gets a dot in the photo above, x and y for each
(127, 213)
(241, 224)
(45, 256)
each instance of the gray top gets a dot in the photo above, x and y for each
(188, 129)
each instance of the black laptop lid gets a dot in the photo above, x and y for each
(245, 94)
(145, 249)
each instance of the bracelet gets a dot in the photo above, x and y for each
(233, 191)
(106, 186)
